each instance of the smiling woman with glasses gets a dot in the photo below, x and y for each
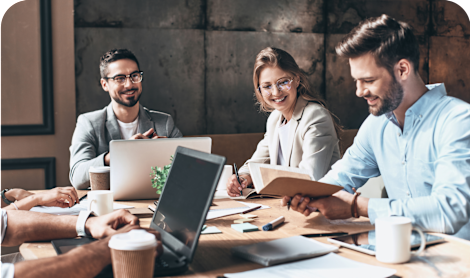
(300, 132)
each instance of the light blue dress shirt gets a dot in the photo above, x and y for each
(8, 270)
(425, 167)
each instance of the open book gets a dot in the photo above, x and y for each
(277, 181)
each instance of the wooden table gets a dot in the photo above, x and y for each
(213, 257)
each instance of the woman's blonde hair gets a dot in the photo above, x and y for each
(274, 57)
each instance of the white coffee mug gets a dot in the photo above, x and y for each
(392, 235)
(100, 202)
(226, 174)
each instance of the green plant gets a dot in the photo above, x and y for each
(159, 176)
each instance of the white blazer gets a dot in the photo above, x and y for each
(313, 143)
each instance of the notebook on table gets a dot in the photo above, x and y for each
(283, 250)
(278, 181)
(131, 162)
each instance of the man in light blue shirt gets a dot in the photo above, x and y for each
(417, 138)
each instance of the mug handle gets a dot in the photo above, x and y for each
(423, 242)
(89, 204)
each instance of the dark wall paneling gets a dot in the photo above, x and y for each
(46, 163)
(47, 127)
(198, 56)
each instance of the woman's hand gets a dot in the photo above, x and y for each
(234, 188)
(58, 197)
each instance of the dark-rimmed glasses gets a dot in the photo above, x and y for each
(283, 84)
(135, 77)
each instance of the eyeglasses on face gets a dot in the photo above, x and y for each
(283, 84)
(135, 77)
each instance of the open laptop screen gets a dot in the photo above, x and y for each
(188, 192)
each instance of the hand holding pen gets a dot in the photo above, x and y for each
(236, 185)
(238, 177)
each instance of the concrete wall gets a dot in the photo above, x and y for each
(198, 55)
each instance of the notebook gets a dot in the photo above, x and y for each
(131, 162)
(183, 205)
(278, 181)
(283, 250)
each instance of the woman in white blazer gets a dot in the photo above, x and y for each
(300, 131)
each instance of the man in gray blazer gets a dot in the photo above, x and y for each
(123, 118)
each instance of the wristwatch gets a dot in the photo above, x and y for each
(5, 198)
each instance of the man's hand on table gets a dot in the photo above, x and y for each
(63, 197)
(337, 206)
(106, 225)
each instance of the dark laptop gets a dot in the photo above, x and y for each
(181, 210)
(183, 206)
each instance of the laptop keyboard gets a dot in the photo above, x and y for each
(159, 263)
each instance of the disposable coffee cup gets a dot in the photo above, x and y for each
(133, 254)
(99, 178)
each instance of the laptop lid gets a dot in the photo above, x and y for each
(186, 199)
(131, 162)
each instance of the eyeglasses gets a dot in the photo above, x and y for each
(135, 77)
(283, 84)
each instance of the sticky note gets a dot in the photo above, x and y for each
(245, 227)
(211, 230)
(204, 227)
(243, 220)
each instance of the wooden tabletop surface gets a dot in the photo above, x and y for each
(213, 257)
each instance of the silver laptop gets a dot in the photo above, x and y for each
(131, 162)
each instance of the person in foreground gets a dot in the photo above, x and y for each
(417, 138)
(84, 261)
(123, 118)
(300, 132)
(20, 199)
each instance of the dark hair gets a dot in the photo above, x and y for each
(274, 57)
(387, 39)
(114, 55)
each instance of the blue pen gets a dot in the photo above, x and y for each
(238, 178)
(276, 222)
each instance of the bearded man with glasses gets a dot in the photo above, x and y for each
(123, 118)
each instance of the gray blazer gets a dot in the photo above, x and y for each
(94, 131)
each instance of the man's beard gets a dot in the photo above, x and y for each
(130, 102)
(390, 101)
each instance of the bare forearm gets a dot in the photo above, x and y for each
(24, 204)
(34, 226)
(363, 206)
(84, 261)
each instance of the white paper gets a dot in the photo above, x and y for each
(252, 205)
(328, 266)
(75, 210)
(216, 213)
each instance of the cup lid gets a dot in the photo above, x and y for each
(100, 169)
(133, 240)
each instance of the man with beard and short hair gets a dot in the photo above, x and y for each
(417, 138)
(123, 118)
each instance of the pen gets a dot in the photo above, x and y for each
(250, 210)
(273, 224)
(288, 205)
(81, 198)
(238, 177)
(326, 234)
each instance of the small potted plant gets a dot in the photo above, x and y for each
(159, 176)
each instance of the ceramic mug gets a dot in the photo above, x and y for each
(100, 202)
(392, 235)
(227, 172)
